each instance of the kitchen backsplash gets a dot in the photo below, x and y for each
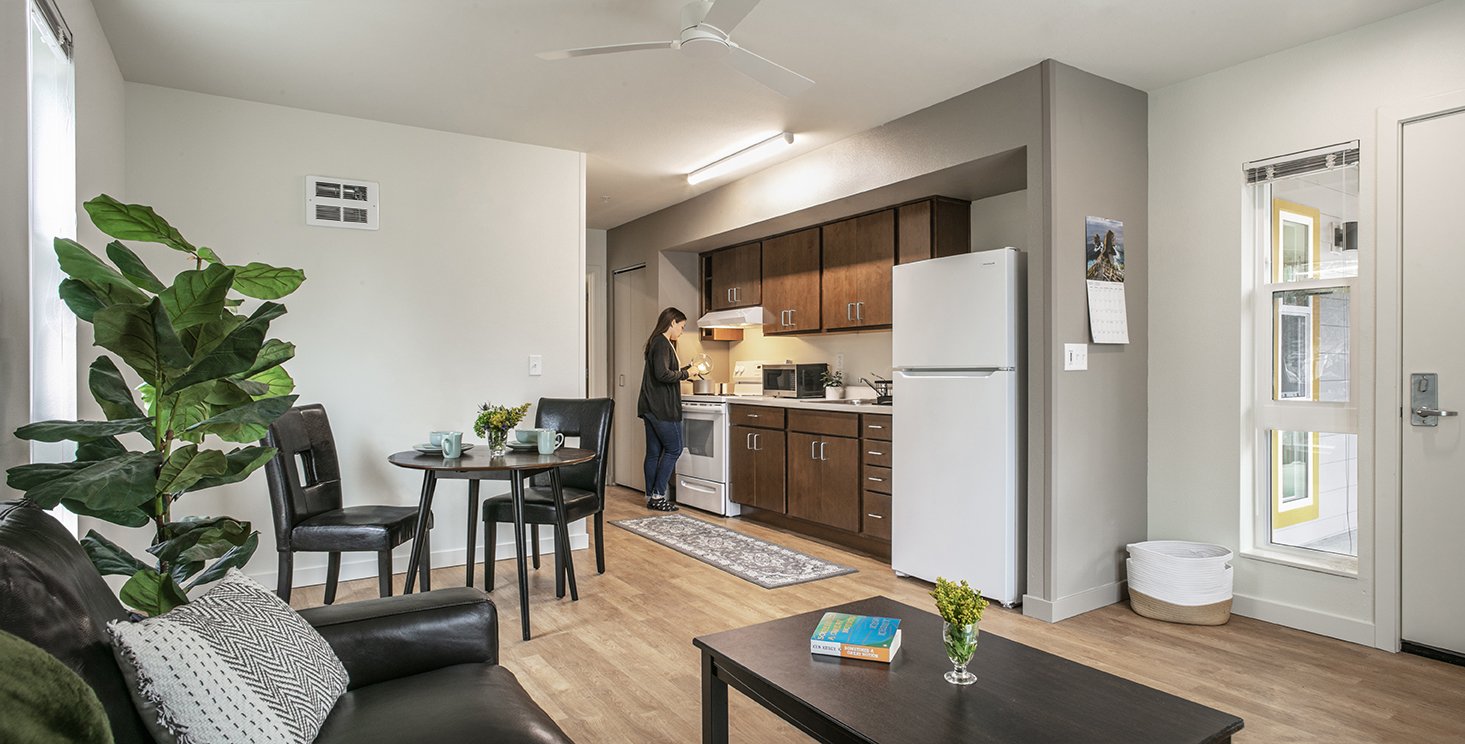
(864, 353)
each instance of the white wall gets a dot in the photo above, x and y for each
(597, 284)
(1201, 131)
(479, 262)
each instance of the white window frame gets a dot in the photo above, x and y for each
(1267, 413)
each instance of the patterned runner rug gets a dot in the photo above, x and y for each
(759, 561)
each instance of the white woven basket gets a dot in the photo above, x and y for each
(1183, 578)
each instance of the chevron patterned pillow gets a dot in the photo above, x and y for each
(235, 665)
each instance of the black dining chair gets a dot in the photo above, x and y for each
(305, 495)
(583, 485)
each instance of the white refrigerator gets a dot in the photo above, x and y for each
(956, 510)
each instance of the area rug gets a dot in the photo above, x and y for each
(759, 561)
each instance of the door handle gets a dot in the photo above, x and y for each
(849, 311)
(752, 415)
(729, 294)
(736, 293)
(873, 452)
(694, 487)
(623, 381)
(874, 426)
(821, 451)
(874, 516)
(755, 443)
(749, 443)
(1424, 400)
(1424, 412)
(813, 450)
(873, 478)
(791, 317)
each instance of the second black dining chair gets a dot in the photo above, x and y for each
(583, 484)
(306, 498)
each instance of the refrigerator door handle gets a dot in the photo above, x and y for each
(952, 374)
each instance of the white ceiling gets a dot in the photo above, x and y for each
(646, 118)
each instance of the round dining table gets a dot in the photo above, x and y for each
(477, 465)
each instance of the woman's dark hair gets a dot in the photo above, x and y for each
(663, 322)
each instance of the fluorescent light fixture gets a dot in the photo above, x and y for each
(742, 157)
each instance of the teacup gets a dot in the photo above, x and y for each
(452, 444)
(527, 436)
(436, 438)
(549, 441)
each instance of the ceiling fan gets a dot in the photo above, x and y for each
(706, 27)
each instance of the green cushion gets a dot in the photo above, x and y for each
(42, 701)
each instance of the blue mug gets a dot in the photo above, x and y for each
(452, 442)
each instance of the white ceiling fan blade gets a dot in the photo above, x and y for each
(610, 49)
(781, 79)
(726, 14)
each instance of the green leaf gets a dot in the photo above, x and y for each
(81, 299)
(276, 382)
(110, 558)
(129, 517)
(233, 355)
(186, 465)
(143, 337)
(110, 485)
(247, 423)
(274, 353)
(152, 593)
(84, 266)
(226, 394)
(241, 463)
(235, 558)
(101, 448)
(207, 254)
(180, 571)
(257, 389)
(200, 539)
(177, 413)
(265, 282)
(61, 431)
(197, 296)
(135, 222)
(111, 391)
(26, 477)
(133, 268)
(201, 339)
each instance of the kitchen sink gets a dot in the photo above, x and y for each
(849, 402)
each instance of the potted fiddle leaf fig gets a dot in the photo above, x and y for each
(208, 373)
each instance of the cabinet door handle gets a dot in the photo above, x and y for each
(752, 415)
(873, 452)
(790, 317)
(756, 446)
(813, 450)
(873, 478)
(821, 451)
(736, 293)
(874, 426)
(849, 311)
(859, 311)
(874, 516)
(749, 443)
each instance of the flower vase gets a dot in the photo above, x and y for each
(834, 393)
(961, 644)
(498, 442)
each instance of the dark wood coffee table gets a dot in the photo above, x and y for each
(1021, 695)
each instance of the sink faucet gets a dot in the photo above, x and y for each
(881, 388)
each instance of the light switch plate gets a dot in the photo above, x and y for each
(839, 362)
(536, 365)
(1075, 357)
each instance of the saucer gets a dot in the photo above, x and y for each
(436, 449)
(522, 445)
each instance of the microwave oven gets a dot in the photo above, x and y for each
(794, 380)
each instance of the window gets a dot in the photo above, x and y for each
(1304, 213)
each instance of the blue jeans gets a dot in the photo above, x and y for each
(663, 447)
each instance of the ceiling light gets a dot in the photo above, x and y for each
(742, 157)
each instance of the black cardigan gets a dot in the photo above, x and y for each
(661, 390)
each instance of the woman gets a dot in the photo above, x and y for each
(660, 406)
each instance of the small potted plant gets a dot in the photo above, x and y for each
(961, 610)
(493, 423)
(833, 384)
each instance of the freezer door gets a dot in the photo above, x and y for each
(955, 510)
(956, 312)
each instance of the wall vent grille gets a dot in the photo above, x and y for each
(340, 202)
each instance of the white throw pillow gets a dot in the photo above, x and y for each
(235, 665)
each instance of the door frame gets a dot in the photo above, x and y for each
(1388, 362)
(610, 346)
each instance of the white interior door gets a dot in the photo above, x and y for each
(1433, 457)
(633, 310)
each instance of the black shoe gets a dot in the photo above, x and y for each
(660, 505)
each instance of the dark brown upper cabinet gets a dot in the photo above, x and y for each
(933, 228)
(858, 255)
(737, 274)
(791, 282)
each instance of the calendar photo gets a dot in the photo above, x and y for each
(1103, 249)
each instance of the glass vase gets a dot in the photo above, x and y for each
(498, 442)
(961, 644)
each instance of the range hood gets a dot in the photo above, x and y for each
(747, 317)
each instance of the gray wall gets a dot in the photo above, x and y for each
(14, 233)
(1085, 434)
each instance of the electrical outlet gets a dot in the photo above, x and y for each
(839, 362)
(1075, 357)
(536, 365)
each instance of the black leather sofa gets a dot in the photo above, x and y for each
(423, 667)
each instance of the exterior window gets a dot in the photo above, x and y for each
(1306, 256)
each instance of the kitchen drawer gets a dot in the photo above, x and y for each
(875, 426)
(877, 478)
(875, 516)
(824, 422)
(766, 417)
(876, 452)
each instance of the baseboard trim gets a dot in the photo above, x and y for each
(1302, 618)
(363, 565)
(1072, 605)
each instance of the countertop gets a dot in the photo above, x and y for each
(866, 405)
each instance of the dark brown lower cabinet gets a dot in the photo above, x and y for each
(824, 479)
(757, 462)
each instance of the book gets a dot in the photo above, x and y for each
(856, 637)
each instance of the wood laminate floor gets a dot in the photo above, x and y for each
(619, 666)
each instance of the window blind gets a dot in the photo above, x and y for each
(50, 19)
(1298, 163)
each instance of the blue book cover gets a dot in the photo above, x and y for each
(856, 636)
